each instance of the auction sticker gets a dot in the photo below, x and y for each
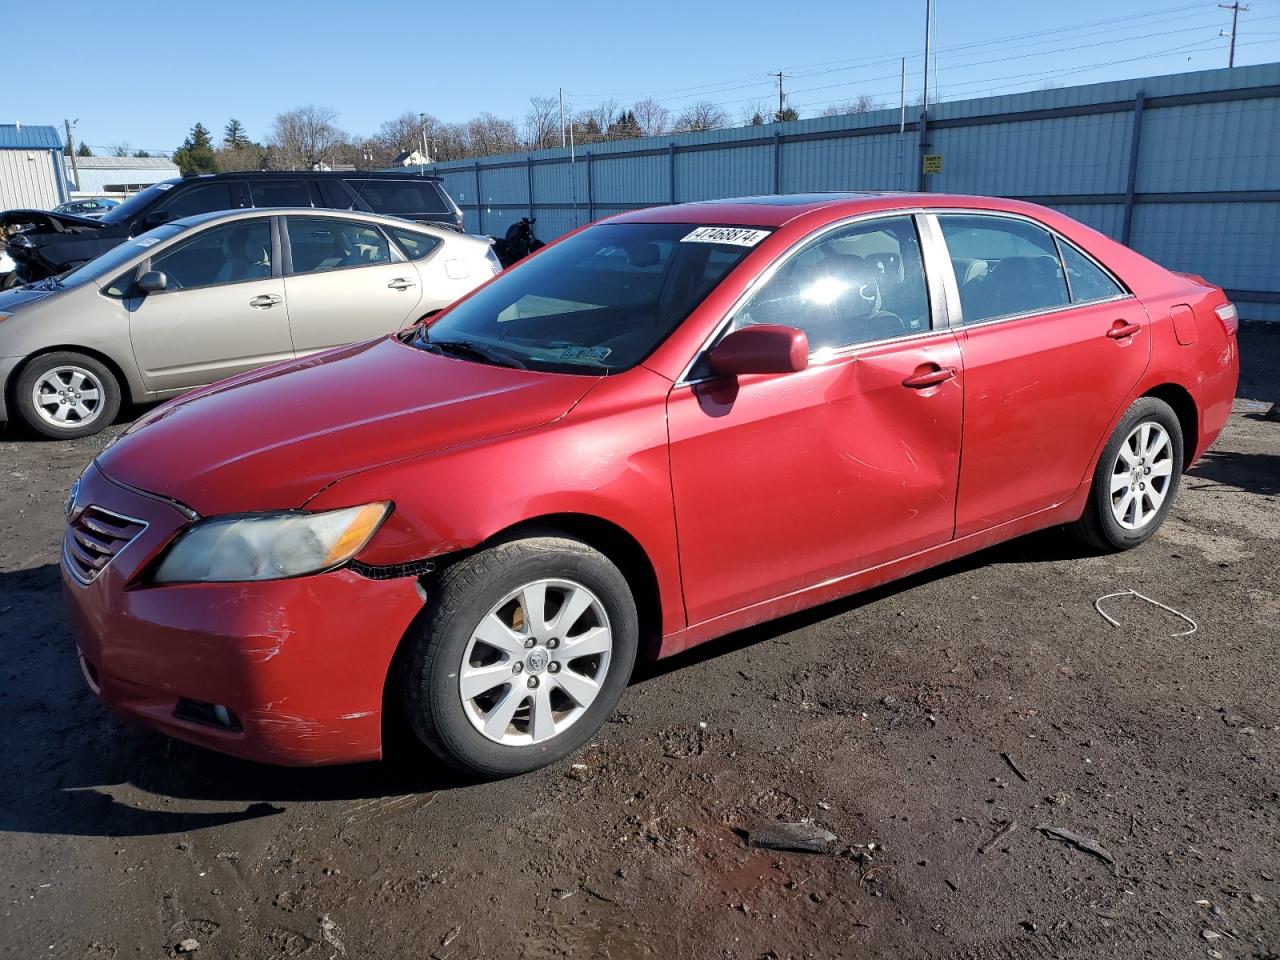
(735, 236)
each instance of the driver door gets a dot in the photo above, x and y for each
(221, 313)
(782, 482)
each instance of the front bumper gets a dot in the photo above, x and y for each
(301, 664)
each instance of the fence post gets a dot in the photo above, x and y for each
(479, 202)
(777, 162)
(528, 168)
(591, 199)
(1131, 185)
(671, 168)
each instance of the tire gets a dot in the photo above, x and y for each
(1143, 470)
(91, 402)
(9, 280)
(518, 687)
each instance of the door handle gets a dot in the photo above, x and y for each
(402, 283)
(1123, 329)
(264, 301)
(930, 378)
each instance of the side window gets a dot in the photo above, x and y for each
(228, 254)
(1003, 266)
(398, 197)
(322, 244)
(280, 193)
(1087, 280)
(859, 284)
(415, 245)
(202, 198)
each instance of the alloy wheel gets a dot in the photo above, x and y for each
(68, 396)
(535, 662)
(1141, 475)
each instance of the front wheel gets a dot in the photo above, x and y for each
(524, 652)
(1136, 478)
(65, 395)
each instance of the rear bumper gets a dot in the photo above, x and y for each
(300, 664)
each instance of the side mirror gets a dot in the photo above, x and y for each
(156, 217)
(153, 281)
(763, 348)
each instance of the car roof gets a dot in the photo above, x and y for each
(408, 174)
(777, 210)
(436, 229)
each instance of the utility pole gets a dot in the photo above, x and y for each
(924, 111)
(1236, 10)
(562, 118)
(71, 148)
(782, 100)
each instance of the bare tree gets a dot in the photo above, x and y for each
(652, 116)
(402, 134)
(488, 134)
(755, 113)
(305, 136)
(542, 123)
(700, 117)
(861, 104)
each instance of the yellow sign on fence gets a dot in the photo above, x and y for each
(933, 163)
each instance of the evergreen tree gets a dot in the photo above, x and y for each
(141, 153)
(785, 114)
(757, 120)
(196, 153)
(233, 135)
(84, 150)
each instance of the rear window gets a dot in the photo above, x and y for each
(398, 197)
(415, 245)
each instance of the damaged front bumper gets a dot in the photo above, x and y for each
(286, 671)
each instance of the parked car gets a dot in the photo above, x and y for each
(92, 207)
(673, 424)
(210, 296)
(45, 243)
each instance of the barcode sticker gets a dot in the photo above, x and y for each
(734, 236)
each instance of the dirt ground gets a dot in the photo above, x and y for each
(933, 727)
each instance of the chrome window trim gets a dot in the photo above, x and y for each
(936, 305)
(950, 274)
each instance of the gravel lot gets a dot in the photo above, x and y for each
(932, 726)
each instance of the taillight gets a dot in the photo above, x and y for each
(1229, 317)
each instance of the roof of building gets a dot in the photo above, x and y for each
(125, 163)
(17, 136)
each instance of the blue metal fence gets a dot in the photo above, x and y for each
(1184, 168)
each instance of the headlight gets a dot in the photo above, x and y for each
(269, 546)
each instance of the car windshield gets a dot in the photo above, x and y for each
(599, 302)
(135, 204)
(104, 266)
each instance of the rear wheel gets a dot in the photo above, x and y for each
(1136, 478)
(524, 652)
(65, 395)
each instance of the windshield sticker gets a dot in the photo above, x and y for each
(590, 354)
(148, 241)
(734, 236)
(164, 186)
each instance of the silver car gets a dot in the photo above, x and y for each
(210, 296)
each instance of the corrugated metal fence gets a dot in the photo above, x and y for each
(1183, 168)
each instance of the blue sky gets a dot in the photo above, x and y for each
(146, 71)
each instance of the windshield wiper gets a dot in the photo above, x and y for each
(473, 350)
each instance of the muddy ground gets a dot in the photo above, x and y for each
(932, 727)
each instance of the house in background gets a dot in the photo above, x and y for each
(121, 177)
(410, 158)
(32, 167)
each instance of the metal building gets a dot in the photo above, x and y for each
(32, 169)
(121, 176)
(1183, 168)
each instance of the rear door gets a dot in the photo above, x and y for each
(222, 312)
(785, 481)
(1049, 356)
(345, 281)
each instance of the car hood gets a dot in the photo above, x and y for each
(16, 297)
(272, 439)
(45, 221)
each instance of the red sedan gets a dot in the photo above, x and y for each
(666, 426)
